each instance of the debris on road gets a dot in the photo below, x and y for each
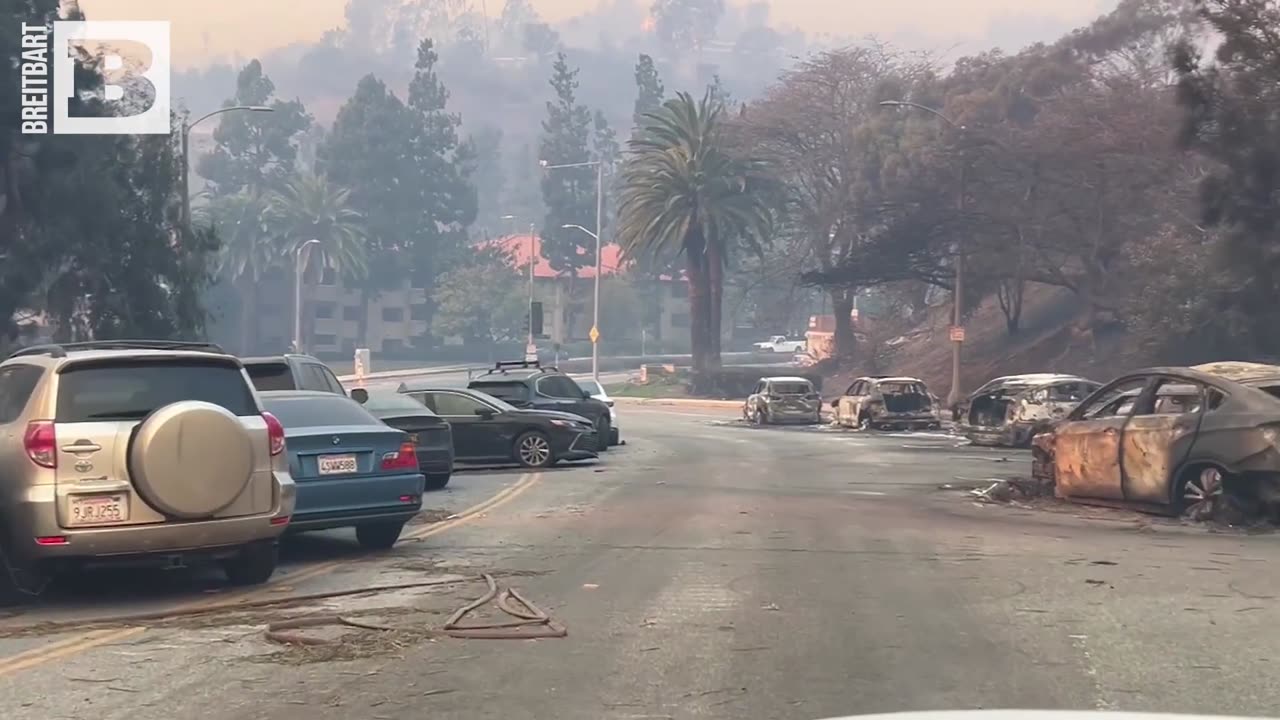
(527, 615)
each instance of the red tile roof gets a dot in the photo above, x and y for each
(518, 247)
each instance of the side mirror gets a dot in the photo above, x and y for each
(485, 413)
(360, 395)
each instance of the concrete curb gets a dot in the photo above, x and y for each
(680, 402)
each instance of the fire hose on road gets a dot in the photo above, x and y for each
(535, 622)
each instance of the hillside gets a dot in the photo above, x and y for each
(1049, 341)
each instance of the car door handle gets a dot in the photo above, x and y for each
(82, 446)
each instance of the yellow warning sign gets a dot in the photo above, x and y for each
(594, 334)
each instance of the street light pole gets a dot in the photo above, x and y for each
(533, 260)
(186, 156)
(595, 322)
(299, 266)
(957, 261)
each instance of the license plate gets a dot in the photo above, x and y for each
(98, 510)
(337, 464)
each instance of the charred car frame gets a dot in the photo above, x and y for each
(1009, 411)
(880, 402)
(1201, 442)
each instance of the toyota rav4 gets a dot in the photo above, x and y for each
(139, 452)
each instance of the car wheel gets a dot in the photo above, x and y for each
(253, 565)
(602, 433)
(18, 585)
(615, 437)
(379, 536)
(864, 422)
(533, 450)
(438, 482)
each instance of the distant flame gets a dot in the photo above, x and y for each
(649, 24)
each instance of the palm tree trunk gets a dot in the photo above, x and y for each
(699, 305)
(715, 303)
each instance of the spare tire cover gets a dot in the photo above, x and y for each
(191, 459)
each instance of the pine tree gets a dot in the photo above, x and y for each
(569, 194)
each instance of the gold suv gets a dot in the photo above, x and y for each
(138, 452)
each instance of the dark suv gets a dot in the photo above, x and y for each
(292, 372)
(527, 384)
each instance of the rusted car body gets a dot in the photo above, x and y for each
(887, 403)
(1189, 441)
(777, 400)
(1009, 411)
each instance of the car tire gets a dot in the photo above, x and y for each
(438, 481)
(615, 437)
(379, 536)
(603, 433)
(253, 565)
(533, 450)
(12, 573)
(864, 422)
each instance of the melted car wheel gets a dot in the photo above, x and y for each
(533, 449)
(1201, 493)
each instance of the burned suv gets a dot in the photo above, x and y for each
(880, 402)
(146, 452)
(1010, 410)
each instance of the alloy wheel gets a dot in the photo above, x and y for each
(1200, 494)
(534, 450)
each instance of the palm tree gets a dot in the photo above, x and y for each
(310, 208)
(248, 251)
(684, 192)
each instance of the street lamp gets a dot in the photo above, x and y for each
(186, 159)
(957, 292)
(300, 266)
(595, 321)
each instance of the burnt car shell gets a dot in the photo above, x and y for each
(1009, 411)
(1148, 457)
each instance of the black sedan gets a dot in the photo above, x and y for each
(431, 433)
(489, 430)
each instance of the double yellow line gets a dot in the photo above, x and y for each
(80, 643)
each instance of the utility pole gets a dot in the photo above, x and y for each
(186, 154)
(595, 325)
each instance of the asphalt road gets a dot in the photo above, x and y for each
(706, 569)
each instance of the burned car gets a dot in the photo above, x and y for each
(1009, 411)
(887, 403)
(1200, 442)
(783, 399)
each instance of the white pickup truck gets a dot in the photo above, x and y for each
(780, 344)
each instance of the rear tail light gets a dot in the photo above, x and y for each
(41, 443)
(406, 458)
(281, 520)
(275, 433)
(51, 540)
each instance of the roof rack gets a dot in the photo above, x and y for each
(503, 365)
(61, 350)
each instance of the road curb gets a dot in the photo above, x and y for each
(679, 402)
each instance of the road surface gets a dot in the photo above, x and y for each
(707, 570)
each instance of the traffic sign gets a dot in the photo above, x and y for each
(957, 334)
(594, 334)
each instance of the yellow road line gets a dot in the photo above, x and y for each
(71, 646)
(42, 655)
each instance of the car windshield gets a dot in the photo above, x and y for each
(504, 390)
(317, 411)
(902, 388)
(388, 403)
(132, 389)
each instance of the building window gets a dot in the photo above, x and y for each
(679, 289)
(352, 313)
(418, 312)
(392, 344)
(680, 320)
(393, 314)
(328, 277)
(324, 310)
(325, 340)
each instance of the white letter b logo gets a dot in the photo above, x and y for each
(154, 35)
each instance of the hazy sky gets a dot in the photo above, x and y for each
(206, 30)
